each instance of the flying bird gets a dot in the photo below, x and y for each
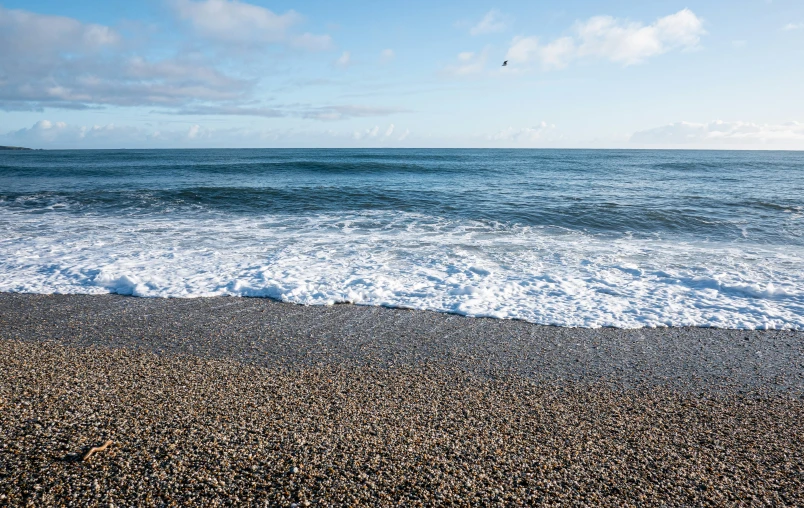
(505, 63)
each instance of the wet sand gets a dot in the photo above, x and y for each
(225, 401)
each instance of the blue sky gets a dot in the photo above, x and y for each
(224, 73)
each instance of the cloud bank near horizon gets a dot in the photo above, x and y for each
(722, 134)
(683, 135)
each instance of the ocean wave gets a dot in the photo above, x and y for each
(542, 275)
(568, 237)
(582, 214)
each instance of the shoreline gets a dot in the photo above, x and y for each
(269, 333)
(219, 401)
(405, 308)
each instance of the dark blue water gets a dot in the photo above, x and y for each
(733, 219)
(718, 195)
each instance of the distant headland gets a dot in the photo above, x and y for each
(14, 148)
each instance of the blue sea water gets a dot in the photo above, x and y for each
(568, 237)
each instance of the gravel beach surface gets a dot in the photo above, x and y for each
(232, 401)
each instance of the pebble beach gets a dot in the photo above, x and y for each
(253, 402)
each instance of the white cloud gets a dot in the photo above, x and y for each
(58, 62)
(367, 133)
(49, 134)
(54, 134)
(469, 63)
(608, 38)
(41, 35)
(728, 134)
(404, 135)
(232, 21)
(492, 22)
(193, 132)
(46, 133)
(53, 61)
(344, 60)
(793, 26)
(387, 55)
(343, 112)
(306, 111)
(556, 54)
(524, 135)
(374, 134)
(312, 42)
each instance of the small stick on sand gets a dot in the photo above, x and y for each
(97, 449)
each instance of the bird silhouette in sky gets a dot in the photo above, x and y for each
(505, 63)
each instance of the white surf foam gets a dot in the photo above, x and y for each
(547, 276)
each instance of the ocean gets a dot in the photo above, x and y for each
(585, 238)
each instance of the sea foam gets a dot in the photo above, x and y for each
(545, 275)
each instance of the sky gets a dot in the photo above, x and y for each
(262, 73)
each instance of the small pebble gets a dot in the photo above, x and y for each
(196, 424)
